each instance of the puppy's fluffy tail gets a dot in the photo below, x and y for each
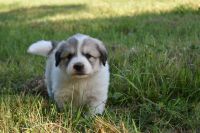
(42, 48)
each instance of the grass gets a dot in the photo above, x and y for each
(155, 75)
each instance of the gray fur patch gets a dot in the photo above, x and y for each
(72, 41)
(67, 49)
(95, 48)
(54, 44)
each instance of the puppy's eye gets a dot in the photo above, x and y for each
(69, 56)
(88, 56)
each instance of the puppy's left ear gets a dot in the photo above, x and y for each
(57, 57)
(103, 53)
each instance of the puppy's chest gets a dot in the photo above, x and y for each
(79, 92)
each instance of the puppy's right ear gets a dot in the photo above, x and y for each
(57, 58)
(42, 48)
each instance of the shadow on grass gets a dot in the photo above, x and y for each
(23, 14)
(161, 79)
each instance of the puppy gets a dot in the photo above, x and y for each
(77, 71)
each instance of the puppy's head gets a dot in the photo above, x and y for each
(80, 56)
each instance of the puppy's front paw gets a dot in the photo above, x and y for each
(96, 108)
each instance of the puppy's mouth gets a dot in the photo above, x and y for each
(80, 75)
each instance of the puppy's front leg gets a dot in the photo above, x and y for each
(96, 106)
(59, 102)
(61, 99)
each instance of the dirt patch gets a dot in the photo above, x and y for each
(36, 86)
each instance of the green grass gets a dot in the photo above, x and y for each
(155, 67)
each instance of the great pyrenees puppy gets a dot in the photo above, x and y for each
(76, 72)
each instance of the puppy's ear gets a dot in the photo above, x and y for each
(103, 53)
(57, 58)
(42, 47)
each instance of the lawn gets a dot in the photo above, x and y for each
(154, 57)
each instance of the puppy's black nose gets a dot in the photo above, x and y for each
(78, 66)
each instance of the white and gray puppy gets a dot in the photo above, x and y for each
(76, 71)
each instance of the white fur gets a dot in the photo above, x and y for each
(40, 48)
(64, 88)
